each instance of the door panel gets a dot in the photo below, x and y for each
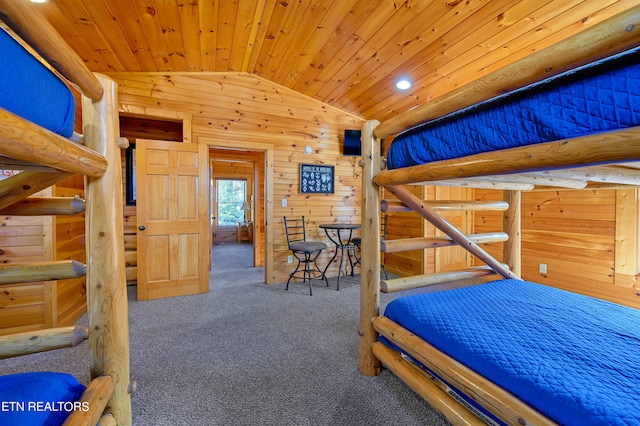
(172, 210)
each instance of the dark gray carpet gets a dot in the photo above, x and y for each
(251, 354)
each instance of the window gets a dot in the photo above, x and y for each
(231, 196)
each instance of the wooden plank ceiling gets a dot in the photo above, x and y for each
(346, 53)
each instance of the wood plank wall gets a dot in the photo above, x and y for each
(32, 306)
(574, 234)
(71, 294)
(25, 239)
(247, 109)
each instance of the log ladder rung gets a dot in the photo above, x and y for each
(14, 273)
(96, 396)
(417, 281)
(393, 206)
(30, 342)
(45, 206)
(419, 243)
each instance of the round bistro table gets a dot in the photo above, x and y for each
(341, 235)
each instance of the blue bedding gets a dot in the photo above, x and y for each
(600, 97)
(573, 358)
(38, 398)
(30, 90)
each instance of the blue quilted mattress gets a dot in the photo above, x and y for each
(39, 398)
(30, 90)
(573, 358)
(599, 97)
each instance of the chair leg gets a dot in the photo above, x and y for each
(322, 273)
(340, 266)
(294, 272)
(352, 263)
(307, 268)
(355, 254)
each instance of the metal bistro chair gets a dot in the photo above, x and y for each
(357, 241)
(306, 252)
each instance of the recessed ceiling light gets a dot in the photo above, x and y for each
(403, 84)
(39, 1)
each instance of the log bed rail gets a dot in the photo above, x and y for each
(46, 159)
(604, 160)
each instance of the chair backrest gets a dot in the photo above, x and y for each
(295, 230)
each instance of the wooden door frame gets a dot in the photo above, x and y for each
(268, 150)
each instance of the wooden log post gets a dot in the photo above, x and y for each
(370, 270)
(106, 277)
(107, 420)
(511, 224)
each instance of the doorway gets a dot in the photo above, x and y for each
(237, 214)
(263, 202)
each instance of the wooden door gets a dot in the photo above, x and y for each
(455, 257)
(173, 219)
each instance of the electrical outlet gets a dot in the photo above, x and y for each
(289, 259)
(284, 204)
(543, 268)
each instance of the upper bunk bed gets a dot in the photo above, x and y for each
(37, 142)
(449, 345)
(534, 76)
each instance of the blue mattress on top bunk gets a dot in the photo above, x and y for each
(573, 358)
(600, 97)
(32, 91)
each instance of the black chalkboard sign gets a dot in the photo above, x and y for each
(316, 179)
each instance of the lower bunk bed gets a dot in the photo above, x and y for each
(507, 351)
(572, 357)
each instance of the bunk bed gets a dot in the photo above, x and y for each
(506, 351)
(37, 139)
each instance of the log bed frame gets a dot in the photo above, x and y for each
(545, 164)
(45, 159)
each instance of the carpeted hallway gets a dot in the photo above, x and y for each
(250, 354)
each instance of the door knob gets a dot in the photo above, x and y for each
(142, 227)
